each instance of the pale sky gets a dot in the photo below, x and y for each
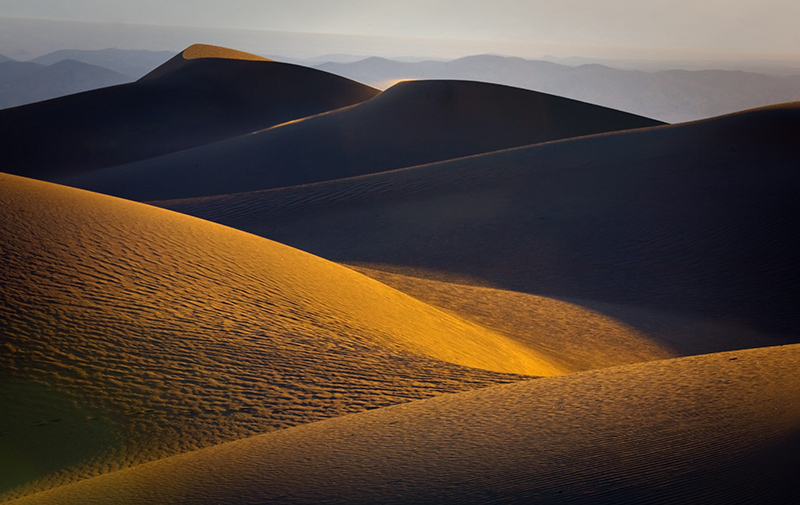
(758, 27)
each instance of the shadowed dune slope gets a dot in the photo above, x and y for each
(720, 428)
(411, 123)
(192, 100)
(699, 218)
(130, 333)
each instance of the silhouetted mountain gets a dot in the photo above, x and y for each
(134, 63)
(27, 82)
(671, 95)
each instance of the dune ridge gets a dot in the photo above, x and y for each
(197, 52)
(719, 428)
(694, 218)
(146, 333)
(182, 104)
(409, 124)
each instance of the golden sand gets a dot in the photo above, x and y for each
(197, 51)
(159, 332)
(720, 428)
(577, 337)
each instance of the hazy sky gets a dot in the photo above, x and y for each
(725, 26)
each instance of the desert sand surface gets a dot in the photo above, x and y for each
(578, 334)
(448, 292)
(208, 96)
(719, 428)
(131, 333)
(409, 124)
(696, 219)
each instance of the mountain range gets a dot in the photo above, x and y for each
(28, 82)
(672, 96)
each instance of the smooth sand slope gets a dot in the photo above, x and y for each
(129, 333)
(203, 95)
(579, 334)
(698, 219)
(720, 428)
(410, 124)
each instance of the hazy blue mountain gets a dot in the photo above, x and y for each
(670, 95)
(134, 63)
(11, 70)
(28, 82)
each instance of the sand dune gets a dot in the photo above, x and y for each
(130, 333)
(148, 356)
(695, 219)
(410, 124)
(196, 52)
(203, 95)
(720, 428)
(675, 96)
(577, 334)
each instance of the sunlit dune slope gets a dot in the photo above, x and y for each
(412, 123)
(720, 428)
(699, 218)
(130, 333)
(200, 51)
(204, 94)
(579, 334)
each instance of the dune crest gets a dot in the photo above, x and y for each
(186, 58)
(196, 51)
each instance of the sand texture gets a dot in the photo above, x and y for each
(720, 428)
(697, 219)
(410, 124)
(184, 105)
(578, 334)
(151, 333)
(449, 292)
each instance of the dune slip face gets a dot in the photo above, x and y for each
(205, 94)
(697, 219)
(409, 124)
(129, 333)
(719, 428)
